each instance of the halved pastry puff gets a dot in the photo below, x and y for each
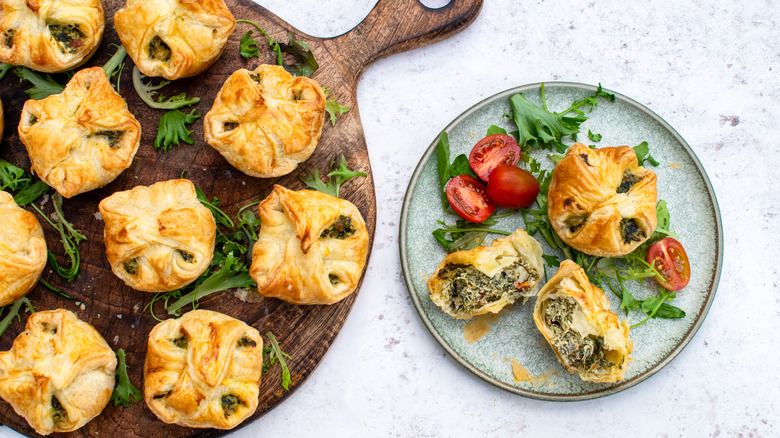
(311, 248)
(487, 278)
(174, 38)
(82, 138)
(50, 35)
(264, 122)
(203, 370)
(601, 201)
(22, 250)
(158, 238)
(59, 374)
(574, 317)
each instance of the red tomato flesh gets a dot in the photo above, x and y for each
(668, 257)
(512, 187)
(468, 197)
(491, 151)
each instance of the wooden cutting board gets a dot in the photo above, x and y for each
(116, 311)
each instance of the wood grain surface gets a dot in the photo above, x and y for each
(115, 310)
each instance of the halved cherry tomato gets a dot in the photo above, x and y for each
(668, 258)
(468, 198)
(512, 187)
(491, 151)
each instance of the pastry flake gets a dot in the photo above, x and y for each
(203, 370)
(601, 201)
(264, 122)
(50, 35)
(82, 138)
(59, 374)
(174, 38)
(311, 248)
(22, 250)
(574, 317)
(158, 238)
(487, 278)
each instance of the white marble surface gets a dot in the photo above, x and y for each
(712, 70)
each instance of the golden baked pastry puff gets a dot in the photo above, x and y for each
(203, 370)
(174, 38)
(487, 278)
(59, 374)
(311, 248)
(158, 238)
(264, 122)
(22, 250)
(82, 138)
(49, 35)
(574, 317)
(601, 201)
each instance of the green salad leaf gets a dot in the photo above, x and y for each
(173, 128)
(338, 175)
(125, 393)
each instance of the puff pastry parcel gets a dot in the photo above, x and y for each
(49, 35)
(22, 250)
(487, 278)
(174, 38)
(264, 122)
(158, 238)
(82, 138)
(311, 248)
(574, 317)
(601, 201)
(203, 370)
(59, 374)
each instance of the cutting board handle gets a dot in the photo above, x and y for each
(394, 26)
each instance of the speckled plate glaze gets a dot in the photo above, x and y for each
(695, 217)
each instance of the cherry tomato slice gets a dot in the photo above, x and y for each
(512, 187)
(491, 151)
(468, 198)
(668, 258)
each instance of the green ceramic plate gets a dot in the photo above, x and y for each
(682, 182)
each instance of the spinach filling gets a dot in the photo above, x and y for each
(334, 279)
(230, 404)
(628, 181)
(581, 352)
(297, 95)
(341, 228)
(57, 412)
(189, 258)
(229, 126)
(257, 77)
(163, 395)
(8, 37)
(180, 342)
(470, 289)
(246, 342)
(131, 266)
(159, 50)
(68, 37)
(112, 137)
(576, 222)
(630, 231)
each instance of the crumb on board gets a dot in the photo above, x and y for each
(676, 165)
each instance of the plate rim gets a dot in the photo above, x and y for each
(684, 341)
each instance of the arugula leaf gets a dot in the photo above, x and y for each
(231, 275)
(593, 137)
(4, 69)
(115, 64)
(539, 125)
(125, 393)
(173, 127)
(460, 166)
(271, 42)
(12, 177)
(13, 312)
(275, 354)
(642, 151)
(495, 130)
(70, 238)
(147, 91)
(220, 216)
(465, 235)
(248, 46)
(31, 192)
(333, 108)
(443, 166)
(43, 84)
(338, 175)
(306, 64)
